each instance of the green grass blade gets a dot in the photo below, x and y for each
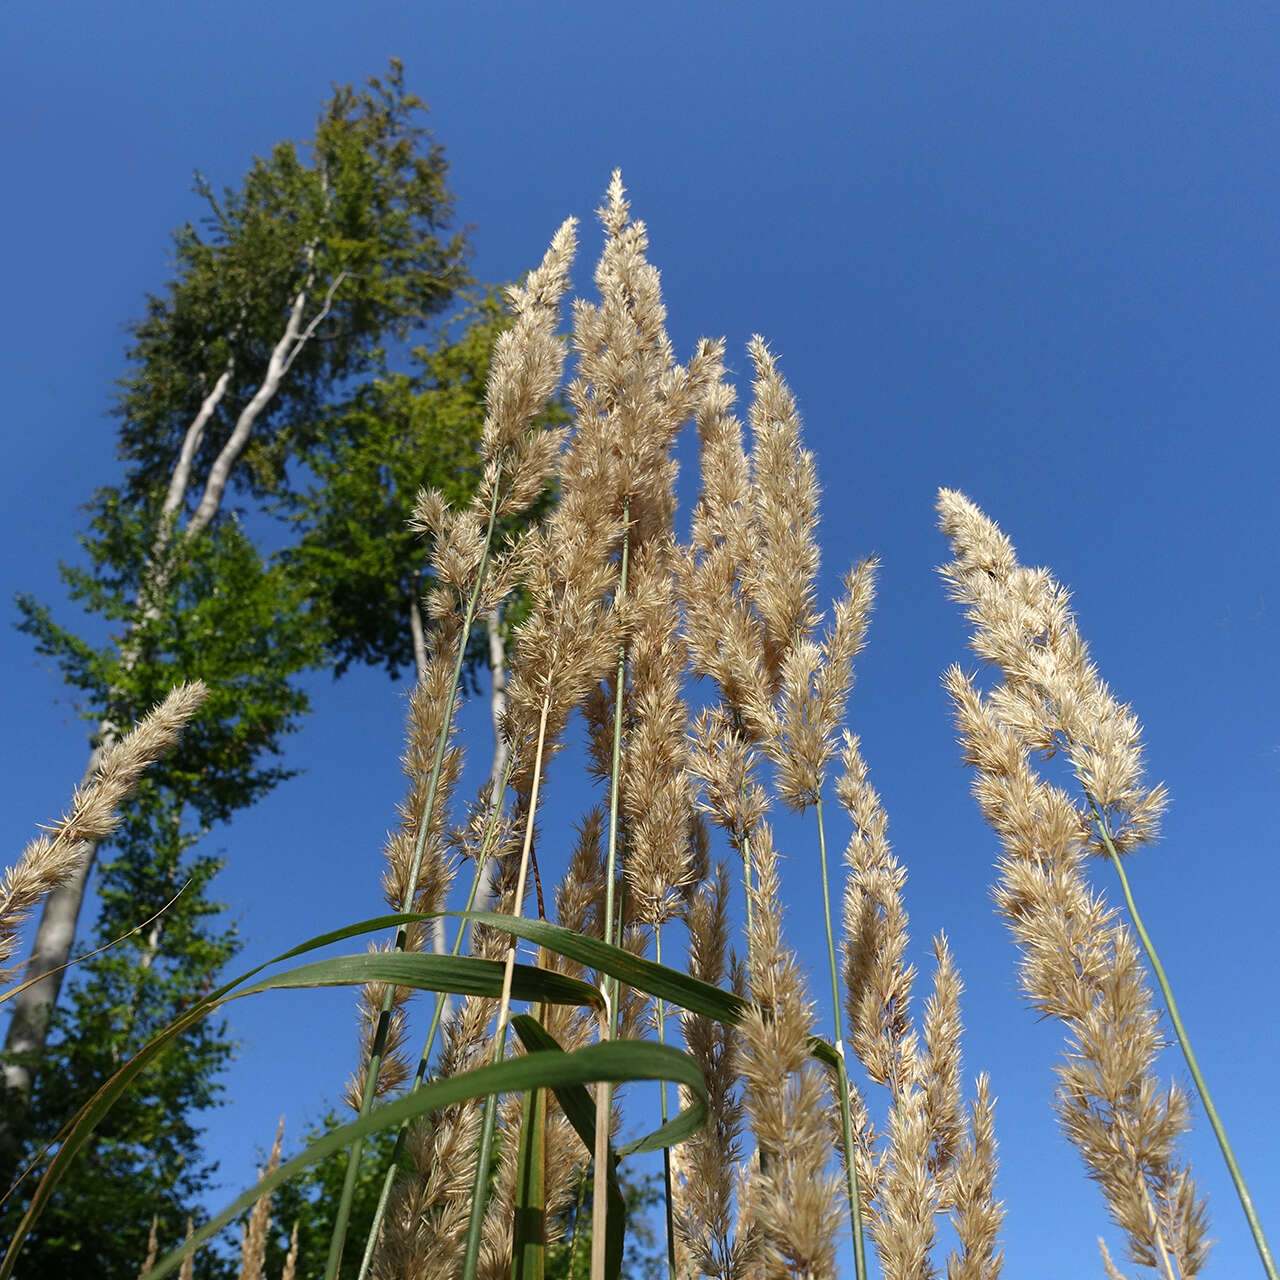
(457, 975)
(616, 1062)
(580, 1110)
(529, 1230)
(632, 970)
(77, 1131)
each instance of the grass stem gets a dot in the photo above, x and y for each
(480, 1187)
(338, 1239)
(1179, 1030)
(842, 1072)
(604, 1090)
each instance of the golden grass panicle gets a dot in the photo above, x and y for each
(153, 1246)
(1051, 694)
(815, 684)
(528, 359)
(940, 1066)
(50, 860)
(254, 1233)
(878, 980)
(976, 1214)
(290, 1268)
(705, 1168)
(784, 571)
(656, 791)
(1080, 965)
(795, 1199)
(724, 634)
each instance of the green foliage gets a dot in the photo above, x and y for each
(357, 219)
(145, 1159)
(229, 617)
(357, 561)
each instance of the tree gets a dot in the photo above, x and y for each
(144, 1162)
(291, 289)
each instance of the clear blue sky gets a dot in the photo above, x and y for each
(1028, 251)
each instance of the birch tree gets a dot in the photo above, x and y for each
(291, 287)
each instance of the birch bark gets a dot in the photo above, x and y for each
(33, 1008)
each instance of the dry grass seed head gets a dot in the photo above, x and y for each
(1052, 695)
(656, 793)
(814, 690)
(528, 359)
(52, 859)
(783, 573)
(940, 1067)
(253, 1235)
(795, 1199)
(704, 1167)
(878, 981)
(976, 1214)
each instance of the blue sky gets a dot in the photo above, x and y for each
(1026, 251)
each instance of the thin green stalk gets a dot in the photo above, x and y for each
(480, 1186)
(577, 1223)
(1219, 1131)
(424, 1059)
(666, 1151)
(604, 1090)
(749, 885)
(842, 1073)
(338, 1239)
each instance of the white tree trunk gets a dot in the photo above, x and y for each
(33, 1008)
(497, 713)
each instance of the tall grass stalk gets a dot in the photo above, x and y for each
(1184, 1041)
(343, 1215)
(437, 1012)
(609, 1023)
(842, 1071)
(480, 1186)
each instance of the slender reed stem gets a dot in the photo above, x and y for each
(842, 1072)
(748, 884)
(577, 1223)
(343, 1216)
(424, 1058)
(1219, 1131)
(480, 1187)
(604, 1090)
(666, 1151)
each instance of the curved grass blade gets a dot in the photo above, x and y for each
(75, 1133)
(617, 1062)
(635, 971)
(538, 984)
(458, 975)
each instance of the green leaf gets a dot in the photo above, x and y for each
(458, 975)
(644, 975)
(580, 1111)
(76, 1133)
(529, 1230)
(615, 1061)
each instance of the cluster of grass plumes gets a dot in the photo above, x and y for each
(711, 691)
